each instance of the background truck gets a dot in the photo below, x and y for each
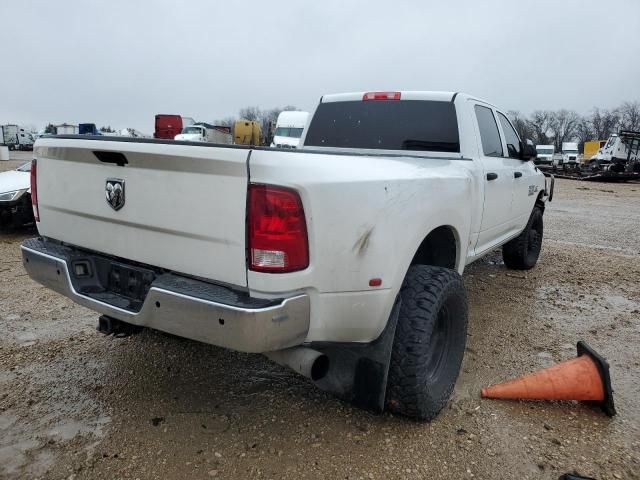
(569, 155)
(619, 154)
(544, 154)
(88, 129)
(168, 126)
(289, 128)
(205, 132)
(66, 129)
(132, 132)
(16, 137)
(341, 259)
(246, 132)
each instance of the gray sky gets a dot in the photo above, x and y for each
(119, 62)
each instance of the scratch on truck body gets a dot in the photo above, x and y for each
(362, 243)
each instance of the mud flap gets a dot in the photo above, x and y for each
(358, 372)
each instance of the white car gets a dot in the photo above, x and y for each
(15, 197)
(341, 259)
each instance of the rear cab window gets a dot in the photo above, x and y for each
(418, 125)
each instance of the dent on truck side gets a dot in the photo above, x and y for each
(362, 243)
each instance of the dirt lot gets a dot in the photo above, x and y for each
(75, 404)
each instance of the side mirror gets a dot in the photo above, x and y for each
(527, 150)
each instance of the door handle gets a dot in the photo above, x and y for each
(492, 176)
(517, 174)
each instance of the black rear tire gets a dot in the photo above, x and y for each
(429, 342)
(522, 252)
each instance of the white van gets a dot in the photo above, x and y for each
(544, 154)
(289, 128)
(569, 154)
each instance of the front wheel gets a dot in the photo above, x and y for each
(429, 342)
(522, 252)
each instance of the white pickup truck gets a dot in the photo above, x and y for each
(341, 259)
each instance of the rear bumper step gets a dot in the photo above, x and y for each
(168, 302)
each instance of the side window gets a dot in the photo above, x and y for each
(511, 137)
(491, 144)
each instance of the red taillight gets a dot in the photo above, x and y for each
(381, 96)
(34, 190)
(277, 230)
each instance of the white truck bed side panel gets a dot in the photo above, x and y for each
(366, 217)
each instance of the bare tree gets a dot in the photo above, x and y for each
(563, 124)
(604, 123)
(269, 118)
(225, 122)
(250, 113)
(547, 126)
(521, 125)
(540, 124)
(584, 131)
(630, 116)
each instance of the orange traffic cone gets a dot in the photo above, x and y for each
(583, 378)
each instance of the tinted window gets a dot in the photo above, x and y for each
(386, 124)
(491, 144)
(510, 136)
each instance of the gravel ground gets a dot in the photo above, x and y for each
(75, 404)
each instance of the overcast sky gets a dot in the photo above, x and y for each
(119, 62)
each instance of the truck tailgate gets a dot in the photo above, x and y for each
(184, 205)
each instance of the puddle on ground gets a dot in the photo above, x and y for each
(69, 429)
(26, 339)
(25, 331)
(15, 456)
(56, 413)
(596, 246)
(7, 420)
(569, 308)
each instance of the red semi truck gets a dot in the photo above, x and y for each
(168, 126)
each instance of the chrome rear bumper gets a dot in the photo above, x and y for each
(181, 306)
